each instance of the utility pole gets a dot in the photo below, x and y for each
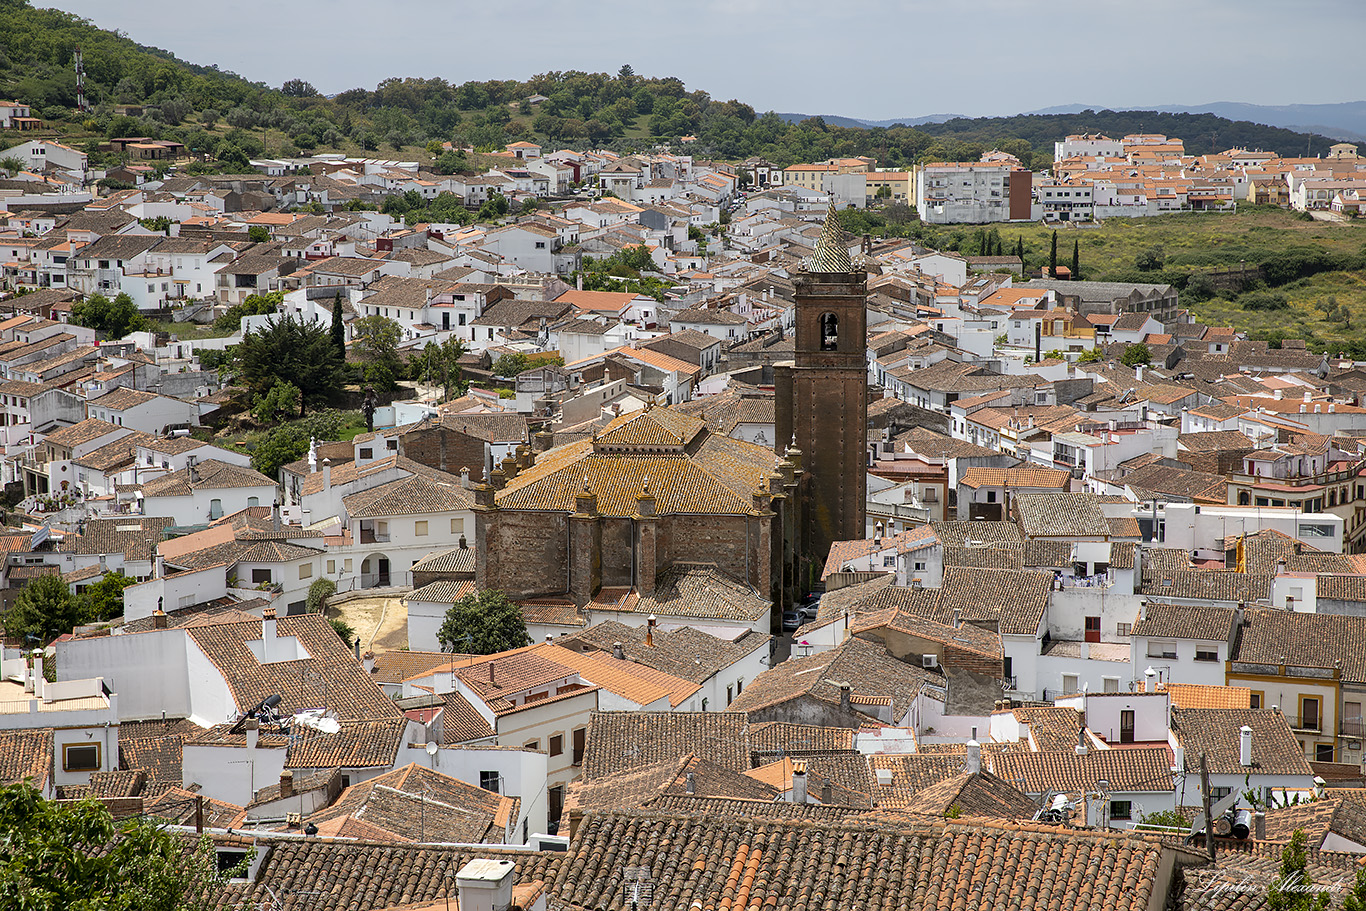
(1205, 802)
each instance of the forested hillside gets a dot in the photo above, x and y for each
(225, 116)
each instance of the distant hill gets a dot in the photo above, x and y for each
(855, 123)
(1346, 121)
(830, 119)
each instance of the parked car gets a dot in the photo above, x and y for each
(791, 620)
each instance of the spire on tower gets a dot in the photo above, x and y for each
(831, 253)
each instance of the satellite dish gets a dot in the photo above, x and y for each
(431, 748)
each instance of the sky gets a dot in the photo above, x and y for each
(871, 59)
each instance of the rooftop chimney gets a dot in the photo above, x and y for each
(286, 783)
(465, 478)
(617, 651)
(369, 662)
(845, 691)
(1245, 746)
(827, 792)
(327, 474)
(159, 619)
(691, 784)
(1259, 825)
(485, 885)
(799, 781)
(267, 627)
(253, 729)
(464, 543)
(650, 631)
(974, 757)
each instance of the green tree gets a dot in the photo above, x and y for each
(111, 318)
(279, 404)
(343, 630)
(1172, 818)
(44, 610)
(12, 164)
(1053, 257)
(450, 162)
(318, 593)
(511, 364)
(61, 856)
(1135, 355)
(289, 442)
(338, 327)
(1355, 899)
(290, 350)
(1292, 890)
(1090, 356)
(482, 624)
(104, 599)
(1151, 259)
(254, 305)
(1019, 249)
(374, 343)
(439, 365)
(258, 234)
(1076, 261)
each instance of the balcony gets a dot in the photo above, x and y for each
(1311, 723)
(1352, 727)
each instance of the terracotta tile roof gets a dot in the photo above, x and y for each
(622, 741)
(455, 560)
(1205, 696)
(1057, 514)
(320, 874)
(702, 591)
(461, 722)
(864, 666)
(639, 684)
(1208, 585)
(1138, 769)
(1016, 599)
(1275, 751)
(330, 666)
(395, 666)
(1185, 621)
(442, 591)
(359, 744)
(644, 786)
(1051, 727)
(26, 754)
(684, 652)
(978, 794)
(934, 864)
(136, 537)
(82, 432)
(969, 533)
(210, 474)
(1304, 640)
(976, 477)
(177, 805)
(413, 803)
(795, 739)
(408, 496)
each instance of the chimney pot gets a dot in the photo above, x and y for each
(286, 783)
(159, 619)
(974, 757)
(617, 651)
(799, 781)
(1245, 746)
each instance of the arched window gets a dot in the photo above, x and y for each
(830, 332)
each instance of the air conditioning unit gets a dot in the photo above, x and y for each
(929, 661)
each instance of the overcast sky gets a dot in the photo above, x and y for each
(873, 59)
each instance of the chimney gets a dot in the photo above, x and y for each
(827, 792)
(464, 543)
(485, 885)
(465, 478)
(1138, 373)
(327, 474)
(253, 729)
(617, 651)
(845, 690)
(286, 783)
(1259, 825)
(28, 676)
(974, 757)
(799, 781)
(1245, 746)
(267, 628)
(650, 631)
(159, 619)
(691, 785)
(368, 662)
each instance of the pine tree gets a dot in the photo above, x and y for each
(1053, 257)
(338, 330)
(1076, 261)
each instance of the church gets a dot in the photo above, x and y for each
(656, 490)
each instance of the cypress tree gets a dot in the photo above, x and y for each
(1053, 257)
(1076, 261)
(1019, 248)
(338, 331)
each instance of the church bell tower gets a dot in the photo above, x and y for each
(827, 388)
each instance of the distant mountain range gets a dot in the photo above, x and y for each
(1346, 121)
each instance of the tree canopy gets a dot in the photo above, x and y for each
(374, 343)
(63, 856)
(110, 318)
(482, 624)
(289, 350)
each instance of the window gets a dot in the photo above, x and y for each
(215, 509)
(1122, 629)
(580, 736)
(260, 575)
(1323, 752)
(1158, 649)
(457, 526)
(1309, 713)
(346, 565)
(231, 861)
(331, 567)
(730, 695)
(391, 445)
(1069, 683)
(367, 452)
(1256, 698)
(1110, 684)
(489, 781)
(532, 745)
(889, 560)
(1205, 653)
(1121, 809)
(420, 528)
(830, 332)
(305, 570)
(253, 501)
(556, 744)
(80, 757)
(1217, 794)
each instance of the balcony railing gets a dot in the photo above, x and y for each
(1305, 722)
(1351, 727)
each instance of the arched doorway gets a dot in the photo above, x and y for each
(374, 571)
